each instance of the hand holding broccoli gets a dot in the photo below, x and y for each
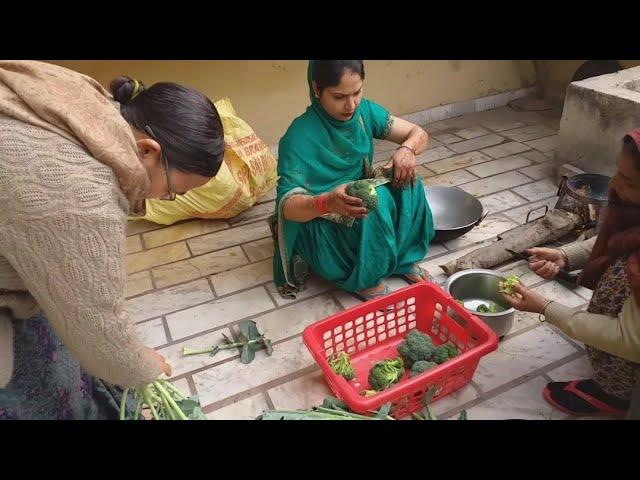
(525, 300)
(342, 203)
(403, 163)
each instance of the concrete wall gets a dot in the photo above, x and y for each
(270, 94)
(597, 113)
(554, 76)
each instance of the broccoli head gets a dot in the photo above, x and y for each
(365, 191)
(421, 366)
(444, 352)
(416, 346)
(341, 364)
(385, 373)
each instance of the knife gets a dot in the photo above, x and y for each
(563, 273)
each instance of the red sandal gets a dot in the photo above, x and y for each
(599, 408)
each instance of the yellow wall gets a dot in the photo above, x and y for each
(554, 76)
(270, 94)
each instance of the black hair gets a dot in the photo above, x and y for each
(328, 73)
(629, 145)
(183, 121)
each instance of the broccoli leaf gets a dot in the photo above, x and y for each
(247, 354)
(428, 396)
(249, 329)
(384, 410)
(191, 408)
(335, 404)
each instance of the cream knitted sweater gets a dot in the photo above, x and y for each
(62, 240)
(69, 176)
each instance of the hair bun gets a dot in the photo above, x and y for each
(124, 89)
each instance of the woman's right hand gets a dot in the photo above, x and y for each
(159, 360)
(339, 202)
(546, 262)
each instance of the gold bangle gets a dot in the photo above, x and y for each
(542, 311)
(411, 149)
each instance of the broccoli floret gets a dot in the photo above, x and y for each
(451, 348)
(444, 353)
(421, 366)
(365, 191)
(492, 308)
(508, 286)
(385, 373)
(341, 364)
(440, 356)
(482, 308)
(416, 346)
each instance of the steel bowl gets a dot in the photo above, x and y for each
(476, 286)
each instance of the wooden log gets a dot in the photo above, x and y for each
(556, 224)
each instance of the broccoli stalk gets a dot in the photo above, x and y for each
(164, 401)
(226, 345)
(369, 393)
(250, 341)
(341, 364)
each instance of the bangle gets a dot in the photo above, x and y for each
(320, 202)
(566, 258)
(411, 149)
(543, 309)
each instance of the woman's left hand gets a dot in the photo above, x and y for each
(403, 162)
(525, 300)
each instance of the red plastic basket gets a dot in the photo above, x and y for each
(372, 331)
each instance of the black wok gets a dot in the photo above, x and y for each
(455, 212)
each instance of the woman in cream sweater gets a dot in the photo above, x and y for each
(75, 161)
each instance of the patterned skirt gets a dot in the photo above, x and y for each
(48, 383)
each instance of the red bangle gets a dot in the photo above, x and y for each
(321, 204)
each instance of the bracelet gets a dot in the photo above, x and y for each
(320, 202)
(543, 309)
(566, 258)
(411, 149)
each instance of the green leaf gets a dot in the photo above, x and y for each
(247, 355)
(267, 343)
(197, 414)
(189, 405)
(249, 329)
(428, 396)
(463, 415)
(335, 404)
(384, 410)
